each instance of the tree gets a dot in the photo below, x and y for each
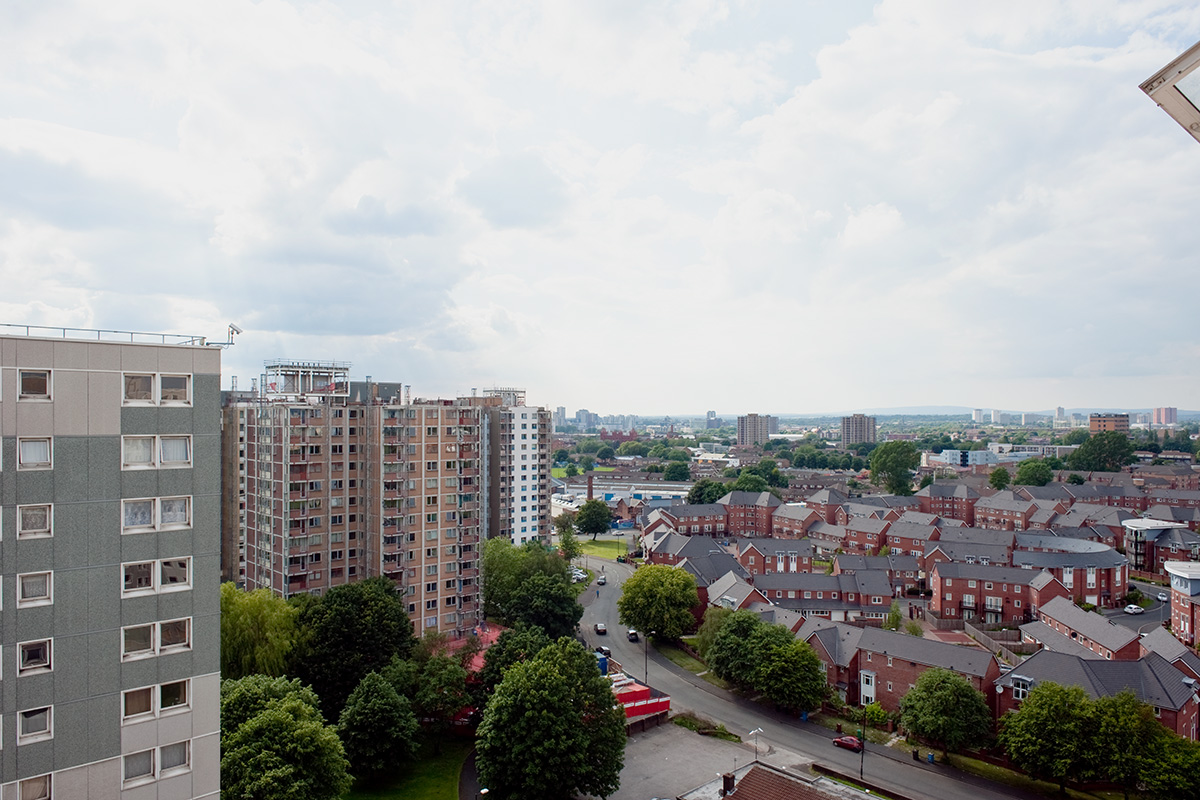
(790, 674)
(749, 482)
(275, 744)
(605, 453)
(570, 547)
(1075, 479)
(1126, 735)
(571, 470)
(659, 598)
(377, 728)
(732, 657)
(587, 464)
(353, 629)
(714, 618)
(575, 742)
(594, 517)
(944, 708)
(677, 471)
(561, 455)
(999, 478)
(506, 566)
(1033, 472)
(1048, 735)
(892, 464)
(519, 643)
(926, 480)
(1178, 771)
(1076, 436)
(441, 693)
(706, 491)
(546, 601)
(894, 617)
(1104, 452)
(258, 632)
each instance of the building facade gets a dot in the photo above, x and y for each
(1099, 423)
(109, 507)
(756, 428)
(857, 429)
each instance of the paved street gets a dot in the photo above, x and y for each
(690, 693)
(1152, 618)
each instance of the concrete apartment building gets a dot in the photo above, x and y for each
(338, 481)
(1099, 423)
(857, 429)
(109, 507)
(756, 428)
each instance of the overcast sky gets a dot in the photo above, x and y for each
(626, 206)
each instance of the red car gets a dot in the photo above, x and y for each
(849, 742)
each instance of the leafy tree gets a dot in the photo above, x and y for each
(1075, 479)
(659, 598)
(731, 656)
(677, 471)
(354, 629)
(1126, 736)
(706, 491)
(546, 601)
(589, 446)
(571, 470)
(892, 464)
(570, 547)
(894, 617)
(790, 674)
(633, 449)
(605, 453)
(377, 728)
(1178, 769)
(1076, 436)
(594, 517)
(1033, 472)
(749, 482)
(926, 480)
(506, 567)
(575, 742)
(519, 643)
(714, 618)
(913, 628)
(561, 455)
(999, 478)
(943, 707)
(587, 464)
(1048, 735)
(1104, 452)
(275, 744)
(441, 693)
(258, 632)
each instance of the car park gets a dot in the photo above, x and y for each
(1163, 597)
(1132, 609)
(849, 742)
(601, 628)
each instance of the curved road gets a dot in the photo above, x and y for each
(885, 766)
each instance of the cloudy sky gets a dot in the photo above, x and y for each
(632, 207)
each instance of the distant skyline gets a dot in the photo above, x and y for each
(724, 205)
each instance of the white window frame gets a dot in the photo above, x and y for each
(188, 389)
(138, 401)
(156, 583)
(156, 707)
(47, 795)
(156, 515)
(39, 736)
(156, 459)
(157, 648)
(137, 591)
(151, 464)
(36, 465)
(22, 533)
(180, 769)
(25, 602)
(138, 780)
(35, 670)
(156, 389)
(35, 398)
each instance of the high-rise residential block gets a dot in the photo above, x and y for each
(857, 429)
(348, 480)
(1099, 423)
(109, 507)
(756, 428)
(1166, 416)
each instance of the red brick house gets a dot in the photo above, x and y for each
(826, 502)
(1185, 599)
(793, 520)
(910, 538)
(750, 513)
(764, 556)
(994, 594)
(708, 519)
(1086, 629)
(949, 500)
(865, 534)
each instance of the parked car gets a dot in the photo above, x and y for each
(601, 628)
(1132, 609)
(849, 742)
(602, 580)
(631, 635)
(1163, 597)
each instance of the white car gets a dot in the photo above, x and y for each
(1132, 609)
(1163, 597)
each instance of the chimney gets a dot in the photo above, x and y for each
(591, 475)
(727, 784)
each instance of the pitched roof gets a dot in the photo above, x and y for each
(1099, 629)
(1106, 559)
(986, 572)
(953, 489)
(1151, 678)
(827, 497)
(732, 586)
(776, 615)
(696, 510)
(839, 640)
(740, 498)
(918, 518)
(910, 530)
(803, 548)
(984, 536)
(710, 566)
(1051, 639)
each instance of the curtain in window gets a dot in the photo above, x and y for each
(174, 511)
(175, 450)
(139, 765)
(139, 450)
(35, 519)
(174, 633)
(35, 586)
(36, 788)
(139, 513)
(35, 451)
(174, 755)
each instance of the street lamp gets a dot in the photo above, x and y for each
(862, 754)
(482, 793)
(755, 734)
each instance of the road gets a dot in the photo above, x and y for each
(886, 766)
(1145, 622)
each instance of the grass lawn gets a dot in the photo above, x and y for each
(684, 661)
(1019, 781)
(874, 735)
(430, 777)
(561, 472)
(605, 548)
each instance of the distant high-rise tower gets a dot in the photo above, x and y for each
(756, 428)
(857, 429)
(978, 415)
(1166, 416)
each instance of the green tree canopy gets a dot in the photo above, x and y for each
(519, 643)
(275, 744)
(546, 601)
(1076, 436)
(594, 517)
(1048, 736)
(561, 455)
(677, 471)
(1075, 479)
(1127, 741)
(352, 630)
(732, 656)
(892, 465)
(506, 566)
(377, 729)
(944, 708)
(575, 742)
(999, 478)
(706, 491)
(791, 676)
(749, 482)
(605, 453)
(659, 598)
(633, 449)
(441, 692)
(714, 618)
(258, 632)
(1033, 472)
(1104, 452)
